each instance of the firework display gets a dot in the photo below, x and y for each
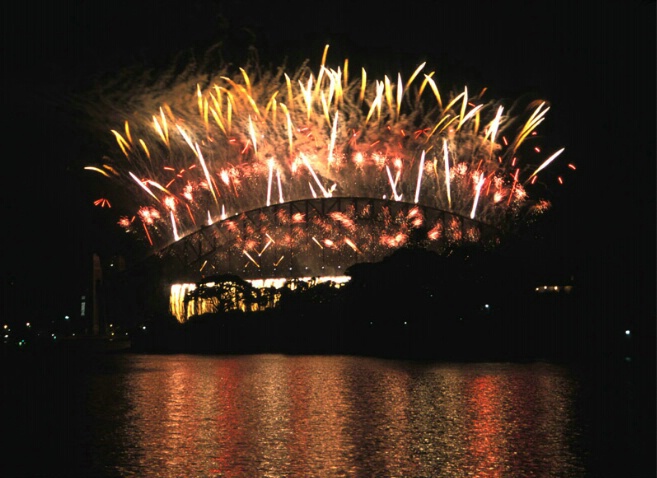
(208, 149)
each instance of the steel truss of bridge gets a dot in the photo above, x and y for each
(318, 237)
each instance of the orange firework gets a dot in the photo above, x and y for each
(227, 142)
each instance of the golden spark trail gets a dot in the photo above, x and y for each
(253, 135)
(333, 134)
(434, 88)
(480, 183)
(246, 253)
(535, 119)
(494, 126)
(414, 75)
(400, 92)
(158, 186)
(269, 243)
(143, 186)
(173, 226)
(351, 244)
(187, 139)
(419, 178)
(312, 171)
(207, 174)
(98, 170)
(271, 173)
(123, 144)
(393, 184)
(162, 129)
(280, 187)
(447, 180)
(545, 163)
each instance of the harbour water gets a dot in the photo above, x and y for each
(141, 415)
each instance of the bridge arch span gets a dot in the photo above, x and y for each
(319, 237)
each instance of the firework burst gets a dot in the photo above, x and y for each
(202, 148)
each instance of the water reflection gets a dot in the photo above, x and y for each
(272, 415)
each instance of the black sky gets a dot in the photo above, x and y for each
(595, 64)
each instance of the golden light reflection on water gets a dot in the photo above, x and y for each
(486, 444)
(272, 415)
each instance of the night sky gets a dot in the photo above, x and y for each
(594, 64)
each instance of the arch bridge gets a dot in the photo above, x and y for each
(318, 237)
